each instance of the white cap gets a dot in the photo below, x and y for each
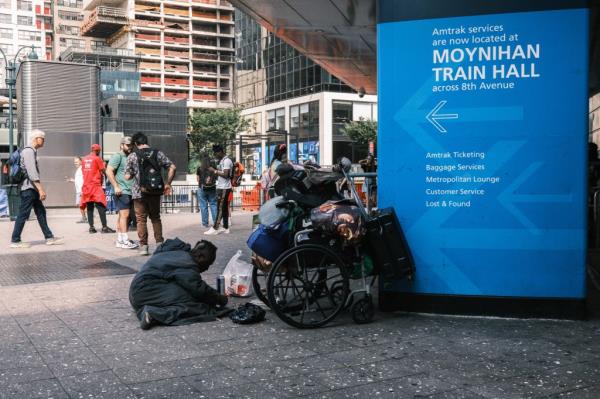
(37, 133)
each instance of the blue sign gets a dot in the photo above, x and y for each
(482, 150)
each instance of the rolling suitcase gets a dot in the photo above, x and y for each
(388, 247)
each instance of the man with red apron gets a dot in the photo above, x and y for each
(92, 193)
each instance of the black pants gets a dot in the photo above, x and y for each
(101, 211)
(222, 208)
(30, 199)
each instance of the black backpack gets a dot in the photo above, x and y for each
(17, 174)
(151, 180)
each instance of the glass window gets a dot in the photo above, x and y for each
(24, 20)
(362, 110)
(5, 18)
(70, 16)
(6, 3)
(271, 120)
(29, 36)
(294, 117)
(6, 48)
(280, 119)
(6, 33)
(342, 112)
(304, 117)
(71, 3)
(24, 5)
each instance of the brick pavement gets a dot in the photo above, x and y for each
(79, 338)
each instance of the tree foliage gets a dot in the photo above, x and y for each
(218, 126)
(362, 131)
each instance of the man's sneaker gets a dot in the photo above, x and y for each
(55, 241)
(128, 244)
(20, 244)
(211, 232)
(81, 221)
(107, 229)
(222, 230)
(143, 250)
(146, 322)
(92, 230)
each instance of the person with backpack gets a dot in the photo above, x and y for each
(122, 192)
(25, 172)
(92, 193)
(145, 165)
(207, 191)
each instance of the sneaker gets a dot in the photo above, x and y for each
(144, 250)
(55, 241)
(107, 229)
(81, 221)
(92, 230)
(211, 232)
(129, 244)
(118, 244)
(222, 230)
(146, 322)
(20, 244)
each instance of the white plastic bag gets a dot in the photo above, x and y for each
(238, 277)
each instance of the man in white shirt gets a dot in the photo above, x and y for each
(223, 173)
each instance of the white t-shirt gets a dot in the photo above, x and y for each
(224, 183)
(78, 180)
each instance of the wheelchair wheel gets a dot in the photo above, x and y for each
(308, 286)
(259, 284)
(363, 310)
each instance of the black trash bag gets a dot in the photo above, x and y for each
(248, 313)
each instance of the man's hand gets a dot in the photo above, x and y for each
(167, 190)
(222, 300)
(118, 190)
(211, 169)
(42, 195)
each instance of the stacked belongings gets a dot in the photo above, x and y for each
(272, 236)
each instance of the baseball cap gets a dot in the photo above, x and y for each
(96, 147)
(37, 133)
(126, 140)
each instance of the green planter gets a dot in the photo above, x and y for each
(14, 200)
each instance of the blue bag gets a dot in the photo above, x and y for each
(269, 243)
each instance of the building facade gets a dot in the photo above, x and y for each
(23, 23)
(186, 48)
(288, 98)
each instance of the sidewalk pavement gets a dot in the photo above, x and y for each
(80, 338)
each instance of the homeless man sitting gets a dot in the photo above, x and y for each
(169, 289)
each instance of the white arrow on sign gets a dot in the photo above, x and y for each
(433, 116)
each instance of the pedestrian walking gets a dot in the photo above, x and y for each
(78, 181)
(92, 194)
(207, 191)
(144, 166)
(32, 194)
(223, 172)
(115, 172)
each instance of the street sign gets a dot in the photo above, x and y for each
(482, 149)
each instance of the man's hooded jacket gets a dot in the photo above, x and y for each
(169, 287)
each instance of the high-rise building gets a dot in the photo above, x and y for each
(288, 97)
(186, 47)
(68, 16)
(23, 23)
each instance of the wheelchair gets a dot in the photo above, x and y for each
(309, 284)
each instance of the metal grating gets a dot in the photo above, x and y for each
(42, 267)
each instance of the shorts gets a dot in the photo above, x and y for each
(122, 202)
(77, 199)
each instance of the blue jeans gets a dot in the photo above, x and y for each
(206, 199)
(30, 199)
